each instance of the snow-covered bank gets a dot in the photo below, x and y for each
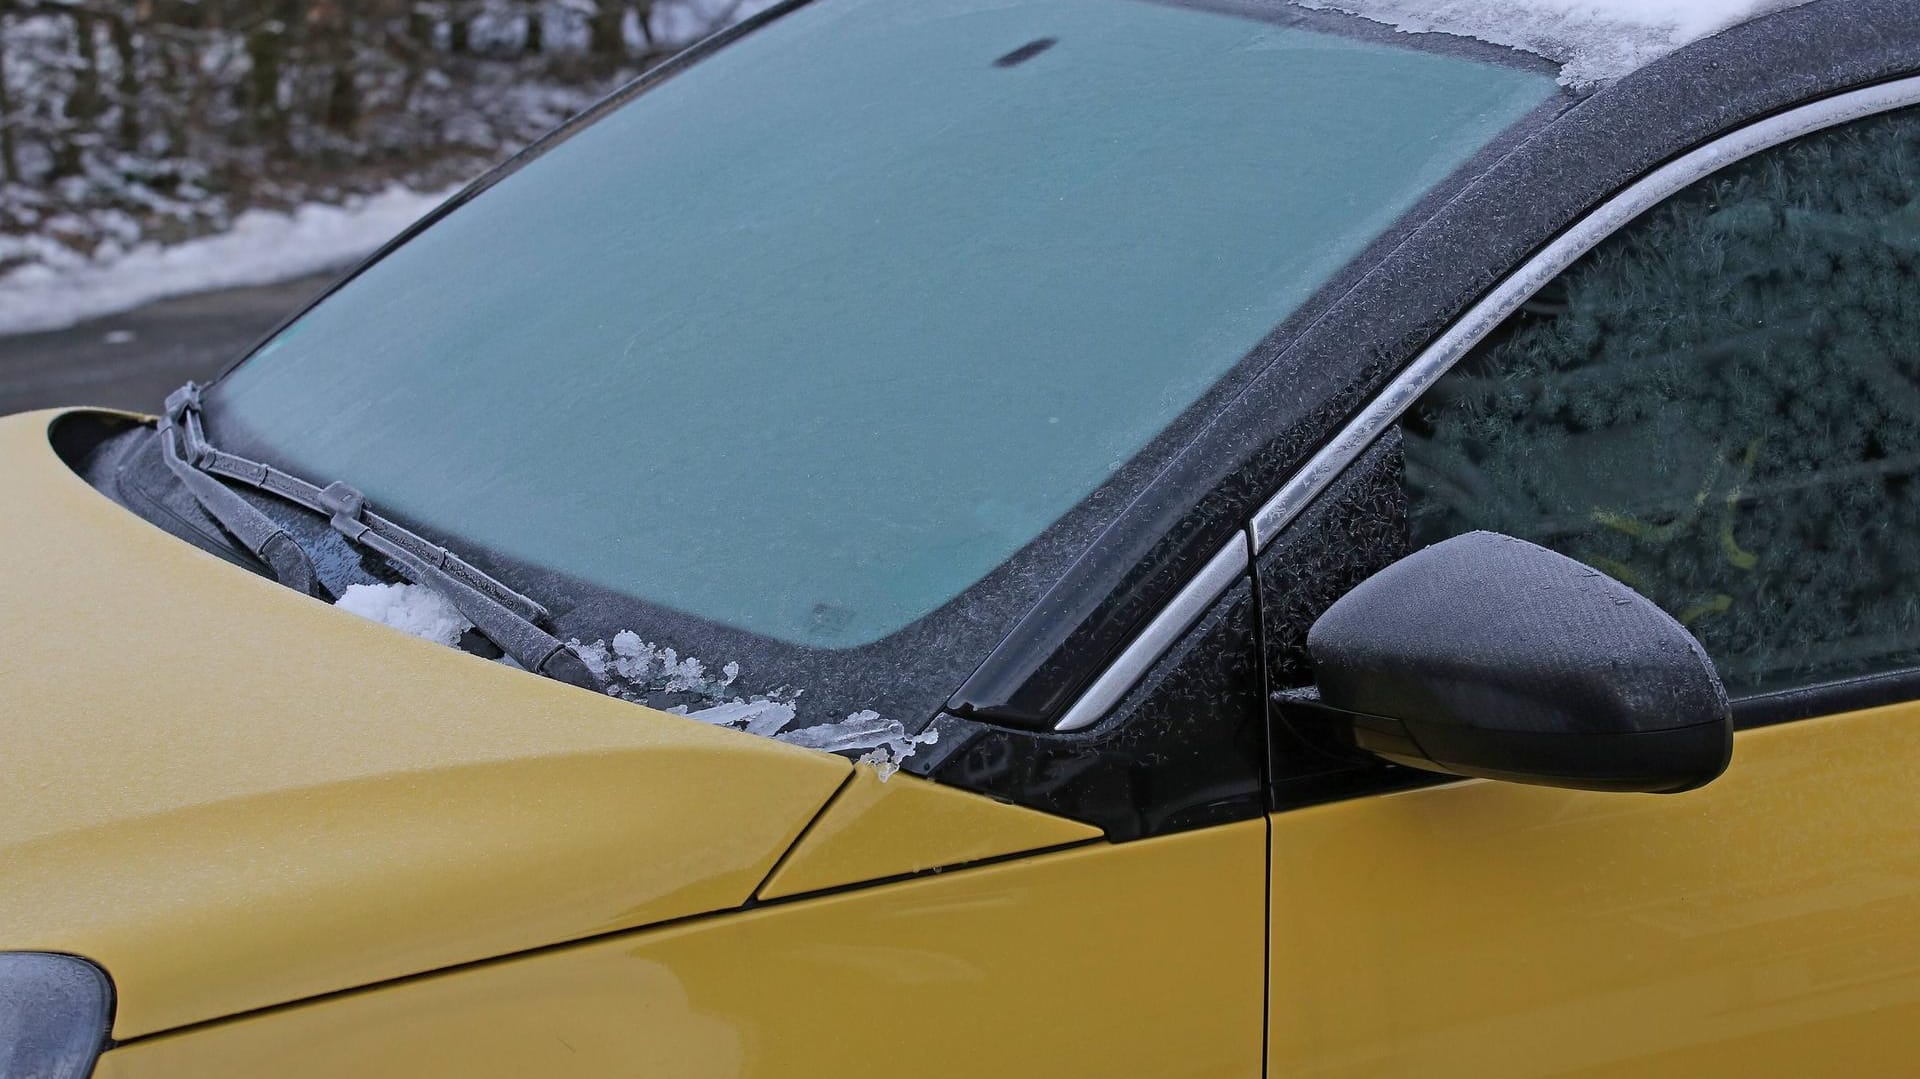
(262, 247)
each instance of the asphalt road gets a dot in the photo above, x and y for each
(133, 360)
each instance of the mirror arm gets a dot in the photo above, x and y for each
(1355, 733)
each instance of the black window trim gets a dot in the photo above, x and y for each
(1453, 344)
(1826, 698)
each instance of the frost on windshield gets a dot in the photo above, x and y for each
(1594, 41)
(644, 673)
(409, 608)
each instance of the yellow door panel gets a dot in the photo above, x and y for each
(1768, 924)
(269, 798)
(1138, 960)
(879, 828)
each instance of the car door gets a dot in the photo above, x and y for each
(1718, 404)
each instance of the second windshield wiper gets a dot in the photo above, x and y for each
(506, 617)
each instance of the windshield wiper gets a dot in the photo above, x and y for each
(506, 617)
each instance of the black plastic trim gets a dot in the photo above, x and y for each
(1826, 699)
(75, 435)
(1548, 758)
(1186, 748)
(43, 1057)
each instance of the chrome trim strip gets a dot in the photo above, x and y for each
(1553, 259)
(1446, 350)
(1181, 612)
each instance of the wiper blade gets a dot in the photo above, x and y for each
(257, 532)
(506, 617)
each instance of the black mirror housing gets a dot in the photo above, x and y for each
(1488, 656)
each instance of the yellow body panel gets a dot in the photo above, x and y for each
(879, 828)
(1140, 960)
(1768, 924)
(231, 795)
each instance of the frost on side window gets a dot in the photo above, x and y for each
(1594, 41)
(1719, 407)
(644, 673)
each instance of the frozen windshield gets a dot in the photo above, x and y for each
(814, 334)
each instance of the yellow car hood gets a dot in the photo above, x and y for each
(231, 795)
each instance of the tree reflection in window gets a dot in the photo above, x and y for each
(1719, 407)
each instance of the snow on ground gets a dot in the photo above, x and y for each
(410, 608)
(262, 247)
(1594, 41)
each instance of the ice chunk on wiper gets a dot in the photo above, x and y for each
(762, 717)
(861, 730)
(640, 671)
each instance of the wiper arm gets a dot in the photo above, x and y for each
(257, 532)
(505, 616)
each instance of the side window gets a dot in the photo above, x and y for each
(1720, 407)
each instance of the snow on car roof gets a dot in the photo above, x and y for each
(1594, 41)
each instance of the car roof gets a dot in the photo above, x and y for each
(1594, 42)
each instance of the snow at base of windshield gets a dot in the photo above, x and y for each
(410, 608)
(641, 672)
(1594, 41)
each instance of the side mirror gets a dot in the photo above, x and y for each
(1490, 656)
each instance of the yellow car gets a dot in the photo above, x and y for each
(1029, 538)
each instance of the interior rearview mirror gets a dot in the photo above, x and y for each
(1489, 656)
